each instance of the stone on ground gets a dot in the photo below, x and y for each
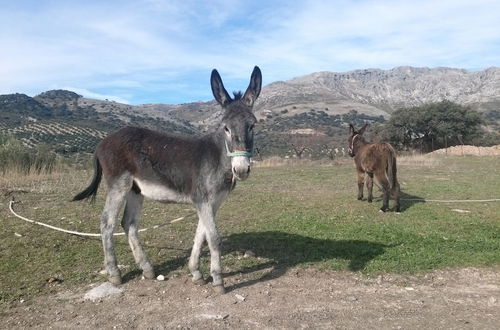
(104, 290)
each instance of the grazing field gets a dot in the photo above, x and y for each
(295, 215)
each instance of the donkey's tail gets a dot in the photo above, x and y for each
(91, 190)
(392, 169)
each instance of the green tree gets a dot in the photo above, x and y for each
(433, 125)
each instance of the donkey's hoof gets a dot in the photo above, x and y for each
(149, 274)
(115, 280)
(370, 200)
(360, 198)
(200, 281)
(382, 210)
(219, 289)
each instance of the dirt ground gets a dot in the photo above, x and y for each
(300, 298)
(469, 150)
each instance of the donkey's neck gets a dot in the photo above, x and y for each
(217, 138)
(224, 170)
(359, 143)
(362, 142)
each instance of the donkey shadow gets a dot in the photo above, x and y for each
(281, 251)
(288, 250)
(407, 200)
(170, 265)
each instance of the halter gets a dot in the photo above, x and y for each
(351, 148)
(237, 153)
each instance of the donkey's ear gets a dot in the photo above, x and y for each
(351, 129)
(218, 89)
(254, 87)
(362, 130)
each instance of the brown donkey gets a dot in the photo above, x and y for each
(377, 159)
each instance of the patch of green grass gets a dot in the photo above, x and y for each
(294, 216)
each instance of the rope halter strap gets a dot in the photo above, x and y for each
(237, 153)
(351, 147)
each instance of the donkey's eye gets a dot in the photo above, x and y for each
(250, 128)
(227, 130)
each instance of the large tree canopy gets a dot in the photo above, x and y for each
(433, 125)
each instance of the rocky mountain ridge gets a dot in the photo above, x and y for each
(388, 90)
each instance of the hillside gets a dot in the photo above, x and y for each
(70, 123)
(316, 106)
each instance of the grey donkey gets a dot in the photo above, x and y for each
(138, 163)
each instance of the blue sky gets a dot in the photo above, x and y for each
(155, 51)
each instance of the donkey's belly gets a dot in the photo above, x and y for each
(161, 192)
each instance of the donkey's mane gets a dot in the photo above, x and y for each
(237, 95)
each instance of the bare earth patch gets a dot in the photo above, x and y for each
(467, 298)
(469, 150)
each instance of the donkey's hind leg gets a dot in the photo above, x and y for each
(130, 224)
(369, 186)
(116, 195)
(361, 183)
(395, 195)
(382, 179)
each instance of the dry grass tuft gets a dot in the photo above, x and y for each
(427, 160)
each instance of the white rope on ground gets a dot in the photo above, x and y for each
(183, 217)
(452, 201)
(446, 200)
(85, 234)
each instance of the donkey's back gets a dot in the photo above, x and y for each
(133, 148)
(376, 156)
(160, 166)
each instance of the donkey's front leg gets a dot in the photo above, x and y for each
(207, 218)
(194, 260)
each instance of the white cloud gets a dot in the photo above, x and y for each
(133, 49)
(385, 33)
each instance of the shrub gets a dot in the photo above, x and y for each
(16, 157)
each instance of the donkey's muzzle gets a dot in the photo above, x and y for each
(240, 167)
